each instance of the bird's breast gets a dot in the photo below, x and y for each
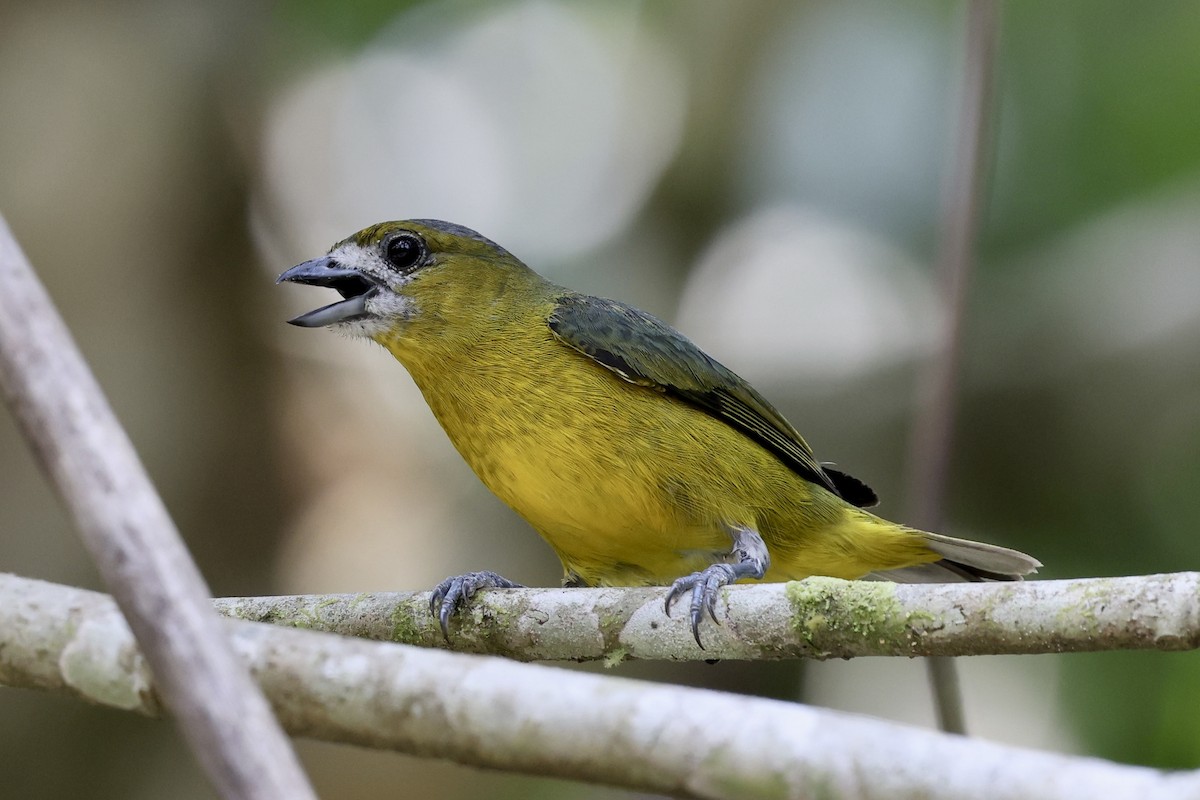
(601, 468)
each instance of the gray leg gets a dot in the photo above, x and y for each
(751, 561)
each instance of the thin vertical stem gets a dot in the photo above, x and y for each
(933, 437)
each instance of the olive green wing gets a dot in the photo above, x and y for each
(647, 352)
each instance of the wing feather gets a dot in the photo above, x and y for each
(645, 351)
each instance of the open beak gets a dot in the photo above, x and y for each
(354, 287)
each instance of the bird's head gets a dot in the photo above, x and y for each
(394, 277)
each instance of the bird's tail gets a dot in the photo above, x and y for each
(963, 560)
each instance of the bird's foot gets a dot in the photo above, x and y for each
(704, 586)
(450, 595)
(752, 562)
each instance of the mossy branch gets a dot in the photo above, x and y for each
(815, 618)
(496, 713)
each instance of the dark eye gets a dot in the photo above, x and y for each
(404, 252)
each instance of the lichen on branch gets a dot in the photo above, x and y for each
(814, 618)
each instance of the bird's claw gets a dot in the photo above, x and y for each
(450, 595)
(704, 586)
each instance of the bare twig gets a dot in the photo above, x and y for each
(933, 439)
(815, 618)
(500, 714)
(139, 553)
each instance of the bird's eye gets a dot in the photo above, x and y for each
(404, 252)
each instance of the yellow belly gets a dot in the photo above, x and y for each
(604, 489)
(630, 486)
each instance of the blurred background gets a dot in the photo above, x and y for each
(764, 174)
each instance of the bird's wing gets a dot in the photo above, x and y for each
(647, 352)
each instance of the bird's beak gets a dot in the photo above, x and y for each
(351, 284)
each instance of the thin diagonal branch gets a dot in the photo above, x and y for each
(126, 528)
(501, 714)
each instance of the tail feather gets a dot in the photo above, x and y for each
(964, 560)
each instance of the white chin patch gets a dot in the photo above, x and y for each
(386, 309)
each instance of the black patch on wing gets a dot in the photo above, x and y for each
(645, 351)
(852, 490)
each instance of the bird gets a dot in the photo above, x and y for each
(639, 458)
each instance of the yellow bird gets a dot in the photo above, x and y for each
(638, 457)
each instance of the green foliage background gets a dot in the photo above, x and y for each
(132, 171)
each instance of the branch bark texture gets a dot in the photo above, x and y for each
(498, 713)
(814, 618)
(135, 545)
